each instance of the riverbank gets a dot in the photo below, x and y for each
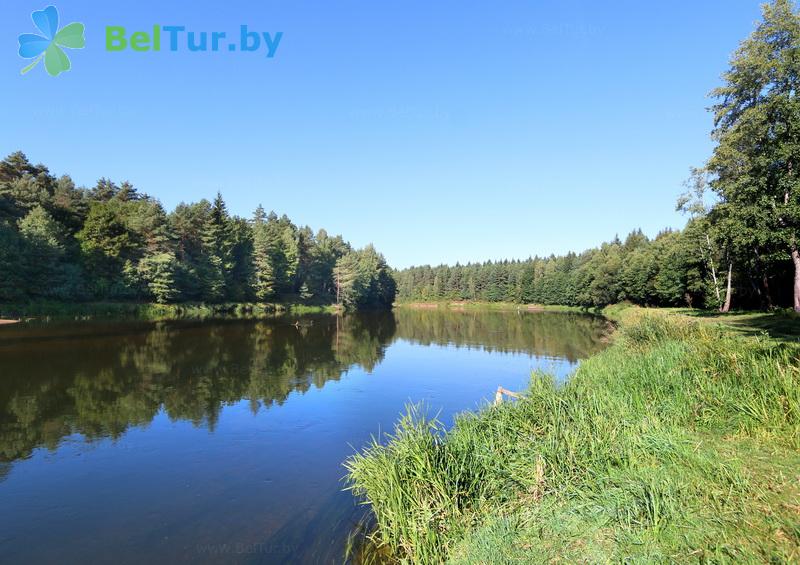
(153, 311)
(479, 305)
(680, 442)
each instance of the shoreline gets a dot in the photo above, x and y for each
(681, 434)
(481, 305)
(15, 313)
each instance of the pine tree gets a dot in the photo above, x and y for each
(264, 275)
(217, 244)
(349, 281)
(158, 273)
(44, 251)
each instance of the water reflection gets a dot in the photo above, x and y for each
(544, 334)
(54, 385)
(119, 375)
(270, 476)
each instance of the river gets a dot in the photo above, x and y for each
(223, 440)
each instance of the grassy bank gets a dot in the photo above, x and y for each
(152, 311)
(679, 443)
(782, 325)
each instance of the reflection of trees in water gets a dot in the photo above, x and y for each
(100, 386)
(549, 334)
(121, 376)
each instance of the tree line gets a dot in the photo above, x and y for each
(112, 242)
(670, 270)
(740, 245)
(676, 268)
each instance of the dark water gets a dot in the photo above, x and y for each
(222, 441)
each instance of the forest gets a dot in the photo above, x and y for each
(738, 249)
(676, 268)
(740, 245)
(112, 242)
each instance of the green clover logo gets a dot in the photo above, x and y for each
(48, 45)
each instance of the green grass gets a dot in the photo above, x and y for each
(783, 325)
(679, 443)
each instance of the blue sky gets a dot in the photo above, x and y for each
(440, 131)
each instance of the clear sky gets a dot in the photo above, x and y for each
(439, 130)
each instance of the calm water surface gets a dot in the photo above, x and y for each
(222, 441)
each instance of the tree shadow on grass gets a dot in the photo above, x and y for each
(776, 325)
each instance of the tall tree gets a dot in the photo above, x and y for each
(755, 164)
(44, 253)
(107, 244)
(263, 270)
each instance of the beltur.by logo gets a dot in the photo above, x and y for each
(177, 38)
(48, 46)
